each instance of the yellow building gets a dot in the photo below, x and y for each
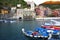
(4, 11)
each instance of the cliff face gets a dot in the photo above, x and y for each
(52, 2)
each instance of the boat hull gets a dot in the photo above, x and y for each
(35, 37)
(52, 27)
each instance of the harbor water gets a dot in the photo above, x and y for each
(12, 31)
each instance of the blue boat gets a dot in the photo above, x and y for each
(38, 33)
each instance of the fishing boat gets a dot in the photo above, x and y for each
(38, 33)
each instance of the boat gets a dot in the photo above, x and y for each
(51, 26)
(56, 23)
(38, 33)
(54, 30)
(9, 21)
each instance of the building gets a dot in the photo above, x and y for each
(5, 10)
(25, 14)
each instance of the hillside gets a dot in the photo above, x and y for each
(11, 3)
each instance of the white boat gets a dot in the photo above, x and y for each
(9, 21)
(57, 23)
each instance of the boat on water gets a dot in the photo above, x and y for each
(41, 33)
(8, 21)
(53, 29)
(56, 23)
(46, 31)
(38, 33)
(51, 26)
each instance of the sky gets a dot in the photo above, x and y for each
(37, 2)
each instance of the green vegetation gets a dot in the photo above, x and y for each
(13, 3)
(52, 6)
(24, 4)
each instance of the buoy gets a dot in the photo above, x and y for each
(23, 30)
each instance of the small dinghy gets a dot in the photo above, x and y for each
(38, 33)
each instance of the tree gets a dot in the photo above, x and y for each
(13, 3)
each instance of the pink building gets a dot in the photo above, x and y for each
(55, 12)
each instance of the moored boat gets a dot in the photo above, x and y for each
(54, 30)
(9, 21)
(38, 33)
(51, 26)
